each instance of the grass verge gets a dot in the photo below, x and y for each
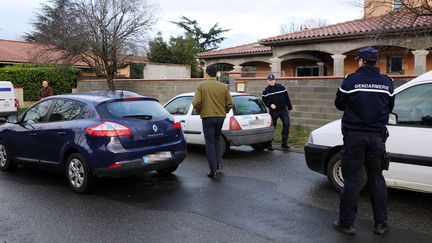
(298, 136)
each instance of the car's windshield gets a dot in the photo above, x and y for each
(247, 104)
(133, 109)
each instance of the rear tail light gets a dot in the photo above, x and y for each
(177, 125)
(108, 129)
(233, 124)
(17, 105)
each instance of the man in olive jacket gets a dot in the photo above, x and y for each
(212, 101)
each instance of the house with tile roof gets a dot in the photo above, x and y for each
(20, 52)
(404, 41)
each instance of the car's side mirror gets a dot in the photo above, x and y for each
(12, 119)
(392, 119)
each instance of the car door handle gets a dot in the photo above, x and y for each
(61, 133)
(33, 134)
(182, 121)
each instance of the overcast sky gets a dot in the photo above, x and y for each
(248, 20)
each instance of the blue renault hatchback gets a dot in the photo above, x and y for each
(93, 135)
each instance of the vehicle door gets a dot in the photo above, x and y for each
(180, 108)
(411, 138)
(195, 128)
(26, 145)
(58, 131)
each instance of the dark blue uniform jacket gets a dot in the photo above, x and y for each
(277, 95)
(366, 97)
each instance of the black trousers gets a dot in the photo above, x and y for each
(357, 152)
(212, 127)
(284, 116)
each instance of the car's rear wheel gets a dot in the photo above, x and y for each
(260, 146)
(78, 174)
(224, 145)
(168, 170)
(334, 173)
(6, 164)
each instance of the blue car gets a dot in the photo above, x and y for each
(92, 135)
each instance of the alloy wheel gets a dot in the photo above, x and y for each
(76, 173)
(3, 156)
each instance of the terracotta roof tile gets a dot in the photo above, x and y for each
(253, 48)
(398, 22)
(29, 52)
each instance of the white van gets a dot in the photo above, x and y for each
(409, 144)
(8, 103)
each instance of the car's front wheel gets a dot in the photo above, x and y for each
(334, 173)
(6, 164)
(78, 174)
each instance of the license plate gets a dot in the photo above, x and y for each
(256, 122)
(160, 156)
(6, 105)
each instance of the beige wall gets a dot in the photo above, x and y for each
(166, 71)
(373, 8)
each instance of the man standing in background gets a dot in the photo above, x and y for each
(275, 97)
(45, 91)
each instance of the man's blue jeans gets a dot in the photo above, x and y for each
(212, 127)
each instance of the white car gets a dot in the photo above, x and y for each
(409, 144)
(8, 103)
(248, 123)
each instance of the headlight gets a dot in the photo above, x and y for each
(310, 139)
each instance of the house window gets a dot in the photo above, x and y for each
(397, 4)
(395, 65)
(307, 71)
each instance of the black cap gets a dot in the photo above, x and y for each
(271, 77)
(367, 54)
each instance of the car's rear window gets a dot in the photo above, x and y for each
(246, 105)
(133, 109)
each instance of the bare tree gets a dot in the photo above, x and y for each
(295, 25)
(98, 32)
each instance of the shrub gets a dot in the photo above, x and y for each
(30, 77)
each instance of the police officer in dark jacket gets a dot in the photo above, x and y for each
(275, 97)
(366, 97)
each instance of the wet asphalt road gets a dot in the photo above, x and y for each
(262, 197)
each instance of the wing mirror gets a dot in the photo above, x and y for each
(12, 119)
(392, 119)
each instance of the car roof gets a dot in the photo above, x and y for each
(231, 93)
(424, 78)
(97, 97)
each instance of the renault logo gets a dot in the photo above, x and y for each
(155, 128)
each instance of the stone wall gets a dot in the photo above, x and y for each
(163, 90)
(312, 98)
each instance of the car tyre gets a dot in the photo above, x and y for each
(78, 174)
(334, 173)
(6, 164)
(225, 147)
(168, 170)
(260, 146)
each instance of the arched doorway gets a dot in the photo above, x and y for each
(255, 69)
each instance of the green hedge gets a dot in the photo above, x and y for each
(30, 77)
